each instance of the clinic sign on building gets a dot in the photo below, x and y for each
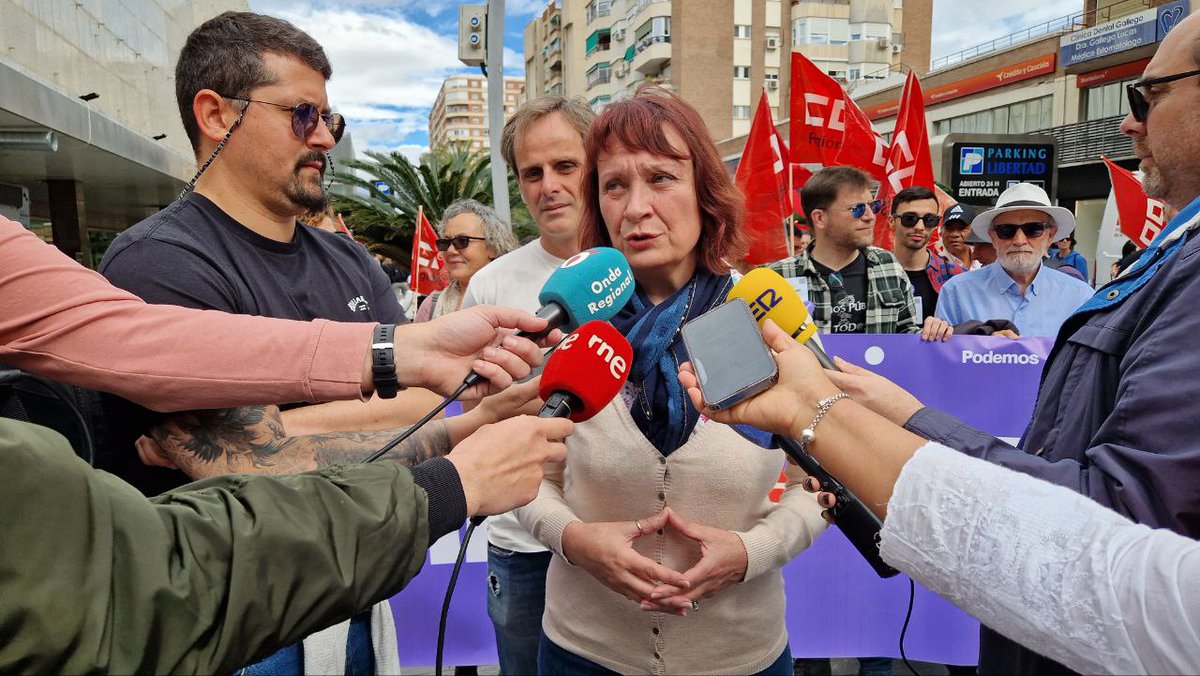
(1128, 32)
(982, 166)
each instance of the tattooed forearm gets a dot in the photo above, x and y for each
(341, 447)
(253, 439)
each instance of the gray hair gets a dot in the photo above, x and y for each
(499, 235)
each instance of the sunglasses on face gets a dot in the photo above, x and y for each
(305, 117)
(909, 220)
(1139, 107)
(860, 209)
(460, 242)
(1032, 230)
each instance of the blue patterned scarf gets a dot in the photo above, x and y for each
(662, 410)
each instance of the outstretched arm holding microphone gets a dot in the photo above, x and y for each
(1041, 564)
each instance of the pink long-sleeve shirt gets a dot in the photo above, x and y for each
(63, 321)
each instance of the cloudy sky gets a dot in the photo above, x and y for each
(390, 56)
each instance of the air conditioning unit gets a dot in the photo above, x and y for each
(772, 42)
(618, 34)
(772, 83)
(884, 43)
(621, 70)
(14, 203)
(896, 49)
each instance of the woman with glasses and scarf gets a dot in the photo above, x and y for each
(470, 235)
(655, 503)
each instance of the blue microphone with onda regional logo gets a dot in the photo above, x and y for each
(591, 285)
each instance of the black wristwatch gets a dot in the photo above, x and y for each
(383, 361)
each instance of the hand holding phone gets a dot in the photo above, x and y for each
(728, 354)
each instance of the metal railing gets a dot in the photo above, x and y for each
(1063, 24)
(1086, 141)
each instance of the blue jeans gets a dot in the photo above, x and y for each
(289, 661)
(516, 599)
(553, 659)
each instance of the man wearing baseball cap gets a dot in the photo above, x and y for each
(1019, 288)
(956, 226)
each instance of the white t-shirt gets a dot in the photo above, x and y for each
(512, 280)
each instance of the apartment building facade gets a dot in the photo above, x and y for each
(460, 112)
(720, 55)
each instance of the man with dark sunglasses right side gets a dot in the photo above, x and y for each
(1019, 287)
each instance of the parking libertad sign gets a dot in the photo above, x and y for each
(981, 166)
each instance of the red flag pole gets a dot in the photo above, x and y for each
(791, 229)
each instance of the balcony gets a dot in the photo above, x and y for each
(1085, 142)
(651, 53)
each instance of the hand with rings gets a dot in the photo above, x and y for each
(605, 550)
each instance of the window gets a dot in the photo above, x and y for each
(818, 31)
(1107, 100)
(741, 112)
(741, 30)
(741, 72)
(1018, 118)
(599, 74)
(597, 8)
(598, 41)
(870, 31)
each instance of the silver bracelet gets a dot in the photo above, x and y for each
(823, 406)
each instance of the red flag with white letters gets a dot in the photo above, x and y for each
(763, 179)
(1140, 218)
(862, 146)
(818, 109)
(428, 267)
(908, 159)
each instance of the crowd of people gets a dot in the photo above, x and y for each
(635, 542)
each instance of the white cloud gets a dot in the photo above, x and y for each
(962, 24)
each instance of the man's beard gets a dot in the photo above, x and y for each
(1024, 266)
(305, 194)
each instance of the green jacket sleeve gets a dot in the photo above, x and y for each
(96, 578)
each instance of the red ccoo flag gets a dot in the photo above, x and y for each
(818, 114)
(428, 267)
(908, 160)
(1140, 217)
(762, 176)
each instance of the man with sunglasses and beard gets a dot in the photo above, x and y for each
(853, 286)
(252, 95)
(914, 219)
(1019, 288)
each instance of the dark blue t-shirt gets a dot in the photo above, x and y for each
(195, 255)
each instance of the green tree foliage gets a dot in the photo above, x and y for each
(387, 220)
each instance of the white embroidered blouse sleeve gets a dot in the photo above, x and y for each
(1045, 566)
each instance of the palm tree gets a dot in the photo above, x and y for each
(386, 217)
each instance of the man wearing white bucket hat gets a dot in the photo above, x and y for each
(1019, 287)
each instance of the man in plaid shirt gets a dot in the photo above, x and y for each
(853, 286)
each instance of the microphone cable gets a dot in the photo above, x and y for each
(912, 592)
(409, 431)
(458, 562)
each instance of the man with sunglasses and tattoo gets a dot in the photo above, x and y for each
(251, 90)
(914, 219)
(1020, 287)
(853, 286)
(1115, 414)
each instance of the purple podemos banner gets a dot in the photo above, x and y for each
(990, 383)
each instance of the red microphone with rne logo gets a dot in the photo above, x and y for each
(585, 372)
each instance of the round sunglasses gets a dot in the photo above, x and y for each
(305, 117)
(860, 209)
(1032, 230)
(460, 242)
